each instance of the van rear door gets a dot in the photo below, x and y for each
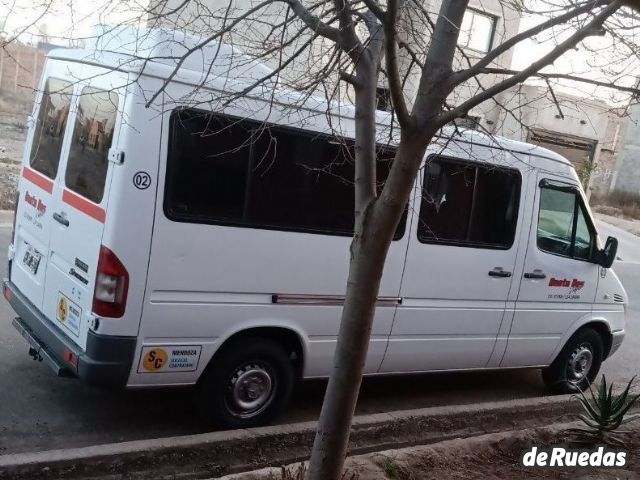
(79, 204)
(41, 164)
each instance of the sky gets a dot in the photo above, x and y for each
(580, 62)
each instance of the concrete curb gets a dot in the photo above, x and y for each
(220, 453)
(478, 444)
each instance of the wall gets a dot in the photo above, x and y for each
(627, 177)
(533, 109)
(20, 69)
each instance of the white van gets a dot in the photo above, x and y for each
(196, 243)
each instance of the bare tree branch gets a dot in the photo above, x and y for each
(591, 28)
(464, 75)
(376, 9)
(565, 76)
(391, 59)
(313, 22)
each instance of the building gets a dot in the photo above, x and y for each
(626, 178)
(587, 131)
(486, 24)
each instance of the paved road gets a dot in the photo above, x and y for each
(40, 412)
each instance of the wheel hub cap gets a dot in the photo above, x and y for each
(580, 363)
(250, 390)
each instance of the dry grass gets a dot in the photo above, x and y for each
(618, 204)
(299, 472)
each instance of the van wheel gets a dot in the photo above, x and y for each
(247, 384)
(577, 364)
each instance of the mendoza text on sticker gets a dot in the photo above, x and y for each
(169, 358)
(68, 313)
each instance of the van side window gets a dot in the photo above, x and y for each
(50, 126)
(468, 204)
(222, 170)
(562, 224)
(88, 156)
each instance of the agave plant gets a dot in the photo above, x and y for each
(604, 413)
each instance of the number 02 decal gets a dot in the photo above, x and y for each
(141, 180)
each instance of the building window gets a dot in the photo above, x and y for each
(243, 173)
(383, 99)
(562, 224)
(469, 204)
(477, 30)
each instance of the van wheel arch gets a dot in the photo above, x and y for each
(603, 330)
(578, 362)
(285, 337)
(249, 380)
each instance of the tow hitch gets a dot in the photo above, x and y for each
(38, 350)
(35, 354)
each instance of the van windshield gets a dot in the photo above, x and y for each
(50, 127)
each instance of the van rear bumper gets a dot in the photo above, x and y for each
(106, 361)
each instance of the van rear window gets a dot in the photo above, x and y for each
(468, 204)
(88, 156)
(228, 171)
(50, 127)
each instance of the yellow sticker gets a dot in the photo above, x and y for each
(63, 309)
(169, 358)
(154, 359)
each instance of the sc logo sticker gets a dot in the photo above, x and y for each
(63, 309)
(141, 180)
(155, 359)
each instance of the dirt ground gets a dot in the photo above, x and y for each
(492, 457)
(13, 132)
(631, 226)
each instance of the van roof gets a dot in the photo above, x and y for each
(157, 52)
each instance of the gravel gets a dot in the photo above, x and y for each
(12, 136)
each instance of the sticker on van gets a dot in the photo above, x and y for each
(170, 358)
(68, 313)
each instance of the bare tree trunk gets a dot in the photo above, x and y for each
(377, 226)
(368, 253)
(332, 436)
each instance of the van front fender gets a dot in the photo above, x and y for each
(599, 323)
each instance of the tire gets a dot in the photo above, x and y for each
(573, 370)
(247, 384)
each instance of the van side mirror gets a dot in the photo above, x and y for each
(607, 255)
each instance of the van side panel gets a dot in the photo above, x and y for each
(452, 307)
(129, 218)
(207, 282)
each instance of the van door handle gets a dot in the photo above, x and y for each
(61, 219)
(535, 275)
(499, 272)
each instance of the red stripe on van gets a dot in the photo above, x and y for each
(85, 206)
(37, 179)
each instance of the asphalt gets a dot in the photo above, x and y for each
(39, 411)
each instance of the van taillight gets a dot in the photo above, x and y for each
(112, 283)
